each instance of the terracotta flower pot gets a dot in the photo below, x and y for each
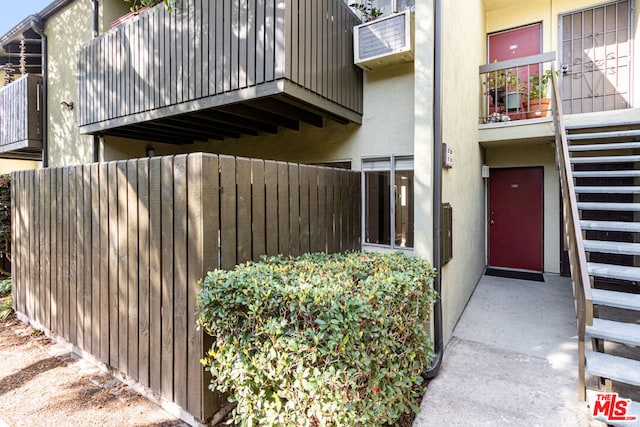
(537, 107)
(128, 16)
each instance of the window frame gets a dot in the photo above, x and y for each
(406, 163)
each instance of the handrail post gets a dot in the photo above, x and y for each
(577, 256)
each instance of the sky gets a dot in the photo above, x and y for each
(12, 12)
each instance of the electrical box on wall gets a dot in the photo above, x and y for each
(485, 171)
(385, 41)
(446, 239)
(447, 156)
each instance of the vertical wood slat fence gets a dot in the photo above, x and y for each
(109, 255)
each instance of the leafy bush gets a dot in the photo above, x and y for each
(319, 339)
(5, 287)
(6, 308)
(5, 218)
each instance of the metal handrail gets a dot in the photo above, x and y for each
(577, 258)
(514, 89)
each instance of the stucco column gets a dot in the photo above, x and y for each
(423, 133)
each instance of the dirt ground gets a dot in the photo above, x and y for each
(42, 384)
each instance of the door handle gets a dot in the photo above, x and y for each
(492, 222)
(564, 69)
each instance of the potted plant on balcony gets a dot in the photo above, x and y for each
(139, 6)
(537, 103)
(505, 88)
(367, 11)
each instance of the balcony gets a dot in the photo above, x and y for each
(516, 100)
(20, 122)
(210, 70)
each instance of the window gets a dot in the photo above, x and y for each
(388, 201)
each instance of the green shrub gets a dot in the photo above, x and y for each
(5, 287)
(5, 218)
(6, 307)
(320, 339)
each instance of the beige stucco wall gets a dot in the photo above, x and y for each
(10, 165)
(387, 128)
(522, 12)
(66, 31)
(538, 155)
(463, 186)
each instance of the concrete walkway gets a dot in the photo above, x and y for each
(512, 360)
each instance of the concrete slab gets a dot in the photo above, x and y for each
(484, 386)
(511, 361)
(533, 318)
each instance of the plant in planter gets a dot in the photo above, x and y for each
(505, 88)
(137, 5)
(367, 11)
(537, 103)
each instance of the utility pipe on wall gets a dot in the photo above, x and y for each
(437, 188)
(38, 28)
(95, 29)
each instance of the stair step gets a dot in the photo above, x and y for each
(603, 135)
(625, 333)
(608, 190)
(611, 271)
(613, 367)
(607, 247)
(616, 299)
(607, 174)
(605, 206)
(605, 159)
(629, 227)
(603, 147)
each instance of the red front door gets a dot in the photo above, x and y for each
(513, 44)
(516, 43)
(515, 218)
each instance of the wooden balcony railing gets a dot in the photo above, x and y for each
(20, 123)
(205, 55)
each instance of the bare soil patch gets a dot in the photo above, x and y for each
(43, 385)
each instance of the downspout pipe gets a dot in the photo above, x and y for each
(38, 28)
(95, 29)
(437, 189)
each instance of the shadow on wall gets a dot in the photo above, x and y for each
(67, 31)
(308, 145)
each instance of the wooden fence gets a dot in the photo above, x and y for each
(109, 255)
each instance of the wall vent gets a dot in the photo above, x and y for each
(385, 41)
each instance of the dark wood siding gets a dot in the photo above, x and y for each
(20, 135)
(209, 54)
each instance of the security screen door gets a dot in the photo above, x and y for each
(595, 58)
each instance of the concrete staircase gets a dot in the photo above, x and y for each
(606, 170)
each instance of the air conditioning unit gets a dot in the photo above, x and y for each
(385, 41)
